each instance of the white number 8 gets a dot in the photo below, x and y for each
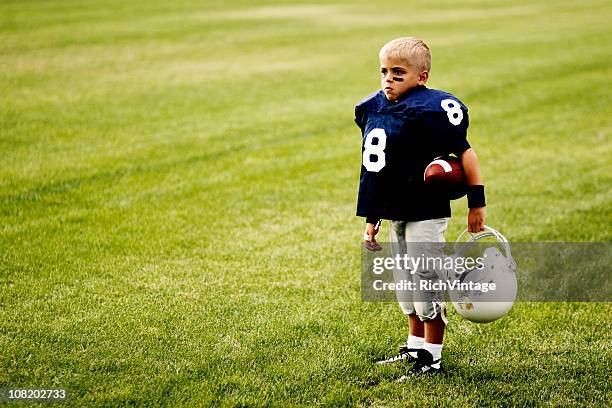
(453, 111)
(377, 150)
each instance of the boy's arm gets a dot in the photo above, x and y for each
(372, 223)
(476, 200)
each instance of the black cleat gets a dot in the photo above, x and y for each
(403, 355)
(425, 364)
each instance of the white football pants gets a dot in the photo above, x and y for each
(414, 238)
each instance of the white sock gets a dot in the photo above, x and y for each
(436, 352)
(414, 342)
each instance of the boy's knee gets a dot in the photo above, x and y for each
(427, 311)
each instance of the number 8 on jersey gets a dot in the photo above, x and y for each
(453, 111)
(376, 151)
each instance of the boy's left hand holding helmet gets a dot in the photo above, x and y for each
(476, 219)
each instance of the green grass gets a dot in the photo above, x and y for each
(178, 185)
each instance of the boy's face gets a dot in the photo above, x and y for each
(398, 77)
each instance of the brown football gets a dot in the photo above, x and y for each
(445, 175)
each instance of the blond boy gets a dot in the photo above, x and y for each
(404, 127)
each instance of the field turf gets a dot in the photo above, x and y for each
(177, 195)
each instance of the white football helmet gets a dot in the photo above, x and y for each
(500, 269)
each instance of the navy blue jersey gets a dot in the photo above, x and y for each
(399, 139)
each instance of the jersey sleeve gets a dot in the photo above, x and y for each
(360, 118)
(370, 199)
(449, 129)
(362, 108)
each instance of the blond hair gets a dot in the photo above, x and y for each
(409, 49)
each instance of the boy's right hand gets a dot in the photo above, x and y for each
(369, 237)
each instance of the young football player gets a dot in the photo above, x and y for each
(404, 127)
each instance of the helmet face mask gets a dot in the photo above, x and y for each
(498, 271)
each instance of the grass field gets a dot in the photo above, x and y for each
(177, 195)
